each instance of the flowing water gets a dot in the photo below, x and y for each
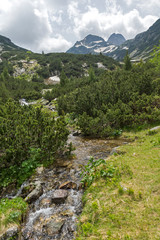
(50, 217)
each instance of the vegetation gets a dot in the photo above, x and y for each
(113, 100)
(29, 136)
(101, 102)
(11, 212)
(18, 87)
(125, 205)
(53, 63)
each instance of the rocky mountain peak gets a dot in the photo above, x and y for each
(116, 39)
(93, 38)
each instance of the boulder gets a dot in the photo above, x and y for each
(45, 202)
(77, 133)
(155, 128)
(59, 196)
(11, 233)
(40, 170)
(35, 194)
(68, 185)
(53, 226)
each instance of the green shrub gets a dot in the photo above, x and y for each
(96, 169)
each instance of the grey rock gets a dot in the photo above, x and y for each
(155, 128)
(11, 233)
(77, 133)
(40, 170)
(36, 193)
(54, 226)
(114, 151)
(59, 196)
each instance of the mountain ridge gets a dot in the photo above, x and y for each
(95, 44)
(6, 44)
(115, 47)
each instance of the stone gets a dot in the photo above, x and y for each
(40, 170)
(68, 185)
(67, 213)
(59, 196)
(62, 163)
(54, 226)
(26, 190)
(114, 151)
(80, 187)
(77, 133)
(45, 202)
(52, 80)
(11, 233)
(35, 194)
(155, 128)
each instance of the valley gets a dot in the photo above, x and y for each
(79, 140)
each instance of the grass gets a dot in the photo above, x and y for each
(128, 209)
(11, 213)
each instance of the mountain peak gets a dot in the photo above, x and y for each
(116, 39)
(92, 38)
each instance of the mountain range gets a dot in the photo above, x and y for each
(95, 44)
(139, 47)
(116, 46)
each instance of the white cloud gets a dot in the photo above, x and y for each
(73, 9)
(54, 44)
(29, 24)
(112, 20)
(51, 25)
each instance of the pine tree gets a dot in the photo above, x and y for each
(127, 62)
(92, 76)
(63, 78)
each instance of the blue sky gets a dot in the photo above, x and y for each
(55, 25)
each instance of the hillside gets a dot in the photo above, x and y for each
(7, 45)
(123, 200)
(141, 46)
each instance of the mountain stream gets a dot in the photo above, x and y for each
(53, 215)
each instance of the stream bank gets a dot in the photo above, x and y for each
(53, 215)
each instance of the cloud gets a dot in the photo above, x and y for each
(54, 44)
(112, 20)
(51, 25)
(29, 25)
(73, 10)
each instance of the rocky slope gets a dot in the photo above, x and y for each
(95, 44)
(139, 47)
(116, 39)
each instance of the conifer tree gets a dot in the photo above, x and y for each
(127, 62)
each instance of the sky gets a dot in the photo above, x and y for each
(55, 25)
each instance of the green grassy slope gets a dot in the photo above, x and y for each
(128, 208)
